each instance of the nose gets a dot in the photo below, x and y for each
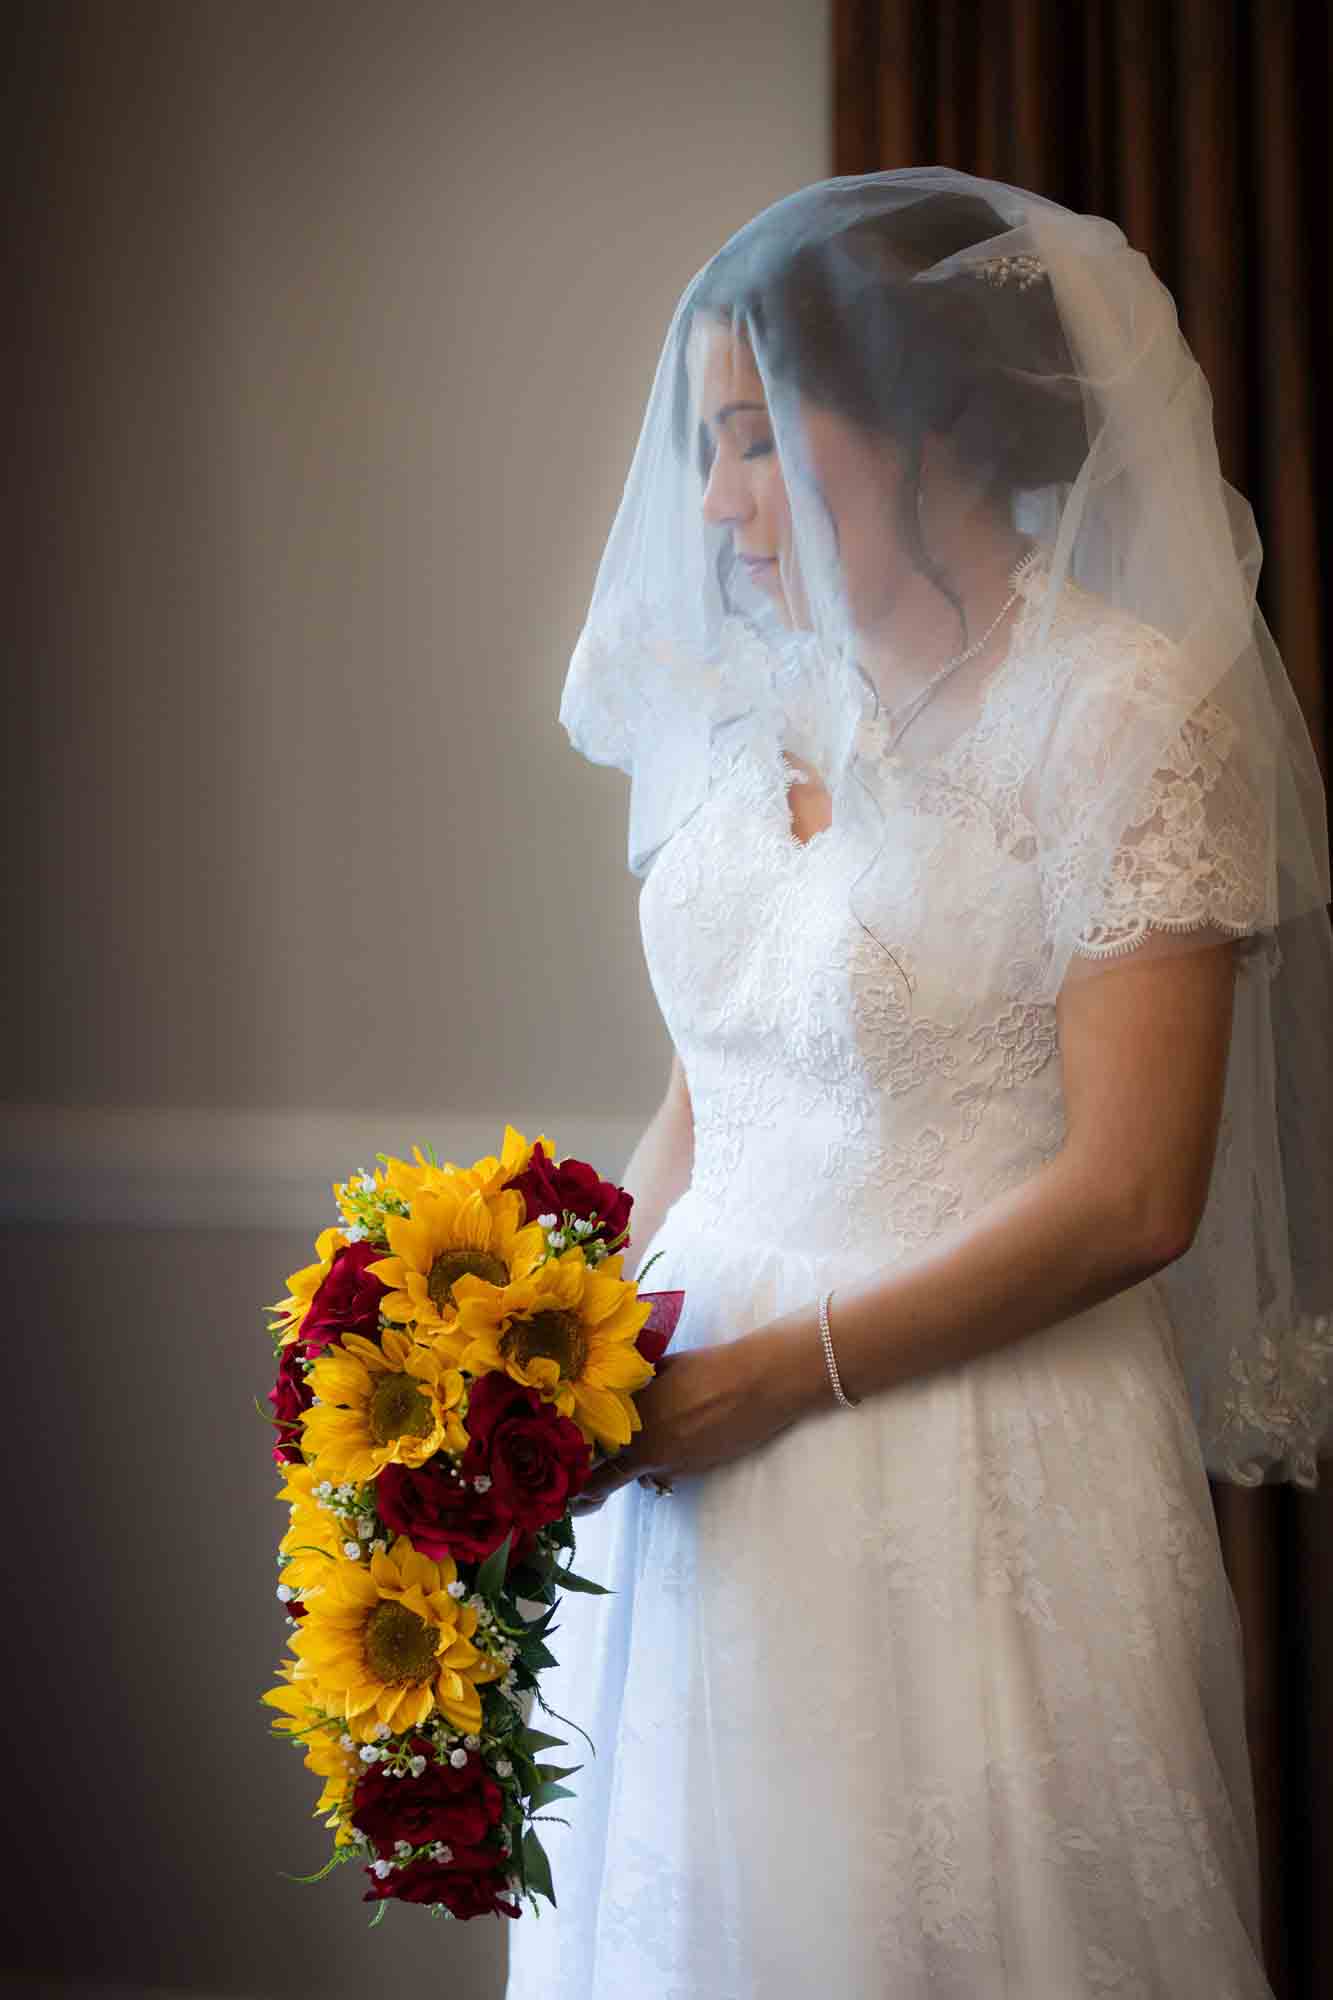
(727, 498)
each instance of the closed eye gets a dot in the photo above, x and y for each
(708, 451)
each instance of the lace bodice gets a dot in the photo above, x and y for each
(864, 1097)
(860, 1103)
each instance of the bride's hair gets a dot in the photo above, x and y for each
(839, 320)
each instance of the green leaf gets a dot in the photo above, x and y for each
(552, 1773)
(547, 1709)
(491, 1575)
(537, 1869)
(378, 1917)
(567, 1580)
(537, 1739)
(531, 1578)
(537, 1655)
(546, 1795)
(527, 1770)
(642, 1273)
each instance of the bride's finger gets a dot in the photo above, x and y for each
(607, 1479)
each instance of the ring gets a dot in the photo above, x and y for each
(662, 1486)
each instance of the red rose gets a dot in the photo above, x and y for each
(441, 1513)
(348, 1301)
(537, 1459)
(474, 1884)
(459, 1806)
(550, 1189)
(290, 1396)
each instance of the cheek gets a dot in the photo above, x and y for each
(775, 508)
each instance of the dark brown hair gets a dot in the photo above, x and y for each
(836, 314)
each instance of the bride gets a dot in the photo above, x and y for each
(984, 863)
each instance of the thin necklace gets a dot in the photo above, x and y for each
(909, 711)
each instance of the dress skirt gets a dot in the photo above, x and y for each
(936, 1699)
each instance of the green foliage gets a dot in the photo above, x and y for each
(546, 1795)
(567, 1580)
(491, 1574)
(537, 1869)
(335, 1860)
(534, 1740)
(561, 1532)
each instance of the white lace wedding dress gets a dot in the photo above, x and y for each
(940, 1699)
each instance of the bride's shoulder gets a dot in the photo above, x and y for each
(1082, 652)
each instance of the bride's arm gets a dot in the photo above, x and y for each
(660, 1165)
(1143, 1051)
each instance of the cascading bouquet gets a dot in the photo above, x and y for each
(450, 1369)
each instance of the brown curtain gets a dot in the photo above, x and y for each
(1202, 127)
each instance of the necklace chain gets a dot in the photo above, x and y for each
(910, 709)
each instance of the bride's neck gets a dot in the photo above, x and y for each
(920, 631)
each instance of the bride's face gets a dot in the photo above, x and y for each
(853, 481)
(744, 489)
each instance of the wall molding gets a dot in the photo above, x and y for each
(236, 1169)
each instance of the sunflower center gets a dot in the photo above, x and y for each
(452, 1264)
(400, 1647)
(398, 1409)
(549, 1335)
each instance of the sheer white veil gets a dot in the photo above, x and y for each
(1165, 780)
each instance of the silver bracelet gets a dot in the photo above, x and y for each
(848, 1402)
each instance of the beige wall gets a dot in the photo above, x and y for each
(344, 318)
(338, 325)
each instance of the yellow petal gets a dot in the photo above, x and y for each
(542, 1372)
(619, 1368)
(410, 1238)
(290, 1700)
(339, 1377)
(515, 1152)
(605, 1414)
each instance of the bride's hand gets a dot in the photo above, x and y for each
(700, 1410)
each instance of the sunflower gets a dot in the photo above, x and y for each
(454, 1231)
(567, 1330)
(384, 1642)
(487, 1175)
(490, 1175)
(325, 1753)
(314, 1538)
(375, 1406)
(288, 1313)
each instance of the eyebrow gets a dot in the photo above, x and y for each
(729, 408)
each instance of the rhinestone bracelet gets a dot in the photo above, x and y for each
(848, 1402)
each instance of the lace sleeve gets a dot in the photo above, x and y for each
(1188, 850)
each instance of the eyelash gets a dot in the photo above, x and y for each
(706, 453)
